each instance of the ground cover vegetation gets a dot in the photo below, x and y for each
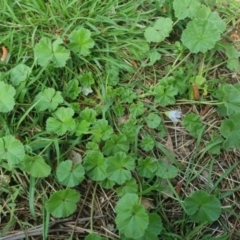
(119, 119)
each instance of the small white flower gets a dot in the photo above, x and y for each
(86, 91)
(174, 115)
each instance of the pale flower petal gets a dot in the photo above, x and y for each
(174, 115)
(86, 91)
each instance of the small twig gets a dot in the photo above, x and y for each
(35, 231)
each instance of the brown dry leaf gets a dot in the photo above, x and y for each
(147, 203)
(178, 188)
(4, 54)
(4, 179)
(123, 119)
(169, 147)
(75, 157)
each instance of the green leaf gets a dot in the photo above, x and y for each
(36, 166)
(72, 89)
(154, 228)
(116, 144)
(69, 174)
(118, 109)
(166, 171)
(19, 73)
(130, 186)
(11, 150)
(136, 109)
(231, 98)
(7, 101)
(61, 122)
(153, 57)
(230, 129)
(130, 130)
(192, 122)
(153, 120)
(200, 35)
(185, 8)
(101, 130)
(86, 79)
(63, 203)
(147, 143)
(112, 72)
(82, 127)
(81, 41)
(217, 21)
(128, 96)
(202, 207)
(88, 114)
(94, 236)
(48, 99)
(165, 95)
(119, 167)
(107, 184)
(214, 146)
(233, 57)
(46, 52)
(95, 166)
(146, 167)
(132, 219)
(160, 30)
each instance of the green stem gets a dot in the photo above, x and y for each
(180, 102)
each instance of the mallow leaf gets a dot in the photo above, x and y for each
(49, 99)
(159, 31)
(185, 8)
(46, 52)
(230, 130)
(36, 166)
(63, 203)
(11, 150)
(132, 219)
(202, 207)
(200, 35)
(7, 101)
(70, 174)
(94, 165)
(119, 167)
(81, 41)
(61, 122)
(19, 73)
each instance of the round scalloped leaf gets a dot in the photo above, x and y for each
(11, 149)
(36, 166)
(185, 8)
(19, 73)
(69, 174)
(230, 129)
(7, 101)
(61, 122)
(45, 52)
(166, 170)
(81, 41)
(132, 218)
(200, 35)
(95, 166)
(63, 203)
(160, 30)
(202, 207)
(48, 99)
(119, 167)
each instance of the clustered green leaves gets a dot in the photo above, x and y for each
(111, 157)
